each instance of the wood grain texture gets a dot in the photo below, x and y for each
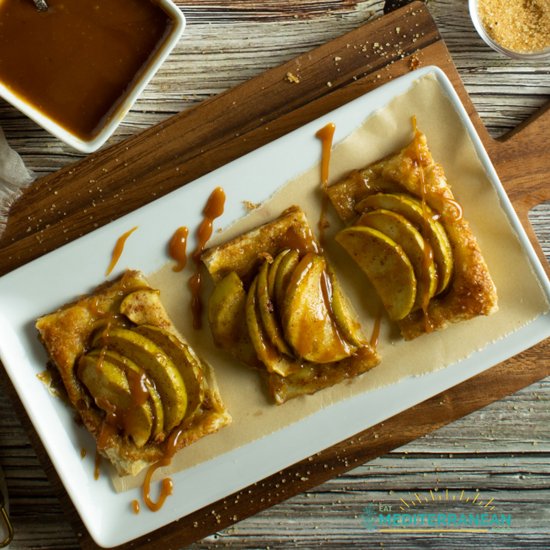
(486, 456)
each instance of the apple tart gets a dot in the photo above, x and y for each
(407, 232)
(138, 388)
(277, 306)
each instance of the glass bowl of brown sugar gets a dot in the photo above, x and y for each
(517, 28)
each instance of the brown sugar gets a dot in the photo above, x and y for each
(521, 26)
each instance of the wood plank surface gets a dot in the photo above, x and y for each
(331, 514)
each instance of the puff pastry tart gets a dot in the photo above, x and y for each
(408, 234)
(135, 384)
(277, 306)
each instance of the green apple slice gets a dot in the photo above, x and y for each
(424, 218)
(267, 353)
(226, 317)
(282, 276)
(385, 264)
(131, 369)
(418, 250)
(273, 267)
(155, 363)
(185, 360)
(143, 306)
(110, 389)
(306, 314)
(265, 305)
(344, 315)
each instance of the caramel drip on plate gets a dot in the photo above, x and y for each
(326, 135)
(117, 251)
(178, 248)
(166, 487)
(135, 506)
(82, 452)
(213, 209)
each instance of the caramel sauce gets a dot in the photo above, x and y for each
(122, 419)
(178, 248)
(213, 209)
(82, 452)
(301, 241)
(326, 135)
(117, 251)
(76, 62)
(166, 487)
(195, 285)
(138, 386)
(135, 506)
(110, 423)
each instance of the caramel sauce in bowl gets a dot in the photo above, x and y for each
(77, 68)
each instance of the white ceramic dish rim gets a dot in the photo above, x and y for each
(113, 121)
(107, 515)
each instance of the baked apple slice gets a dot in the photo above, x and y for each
(386, 265)
(307, 317)
(425, 220)
(417, 249)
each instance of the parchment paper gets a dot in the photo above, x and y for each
(520, 296)
(14, 177)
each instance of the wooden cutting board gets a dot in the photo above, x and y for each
(128, 175)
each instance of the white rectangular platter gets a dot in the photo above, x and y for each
(76, 268)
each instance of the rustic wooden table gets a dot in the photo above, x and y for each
(501, 452)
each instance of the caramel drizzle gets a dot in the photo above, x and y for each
(135, 506)
(117, 251)
(167, 486)
(178, 248)
(122, 419)
(213, 209)
(137, 381)
(326, 135)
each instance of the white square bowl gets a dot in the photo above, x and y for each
(117, 115)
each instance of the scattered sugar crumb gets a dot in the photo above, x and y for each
(291, 77)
